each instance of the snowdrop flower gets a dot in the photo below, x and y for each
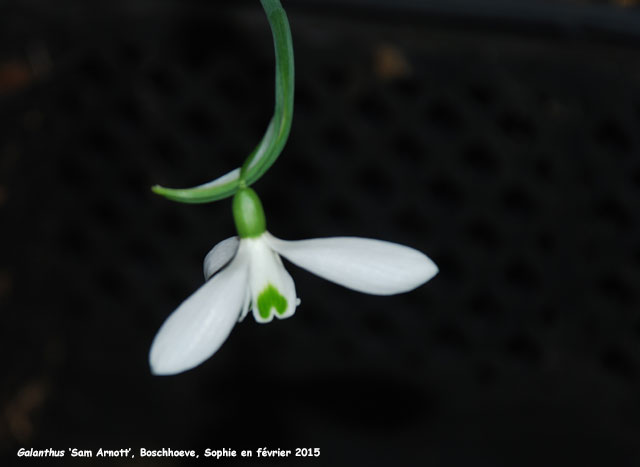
(246, 273)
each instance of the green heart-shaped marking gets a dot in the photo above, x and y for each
(268, 298)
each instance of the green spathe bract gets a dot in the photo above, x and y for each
(268, 298)
(248, 214)
(277, 133)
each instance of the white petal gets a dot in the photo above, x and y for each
(362, 264)
(220, 255)
(201, 324)
(273, 292)
(245, 306)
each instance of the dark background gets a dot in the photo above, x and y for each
(500, 138)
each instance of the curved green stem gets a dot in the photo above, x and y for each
(255, 167)
(274, 139)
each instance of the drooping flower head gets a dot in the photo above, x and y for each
(246, 273)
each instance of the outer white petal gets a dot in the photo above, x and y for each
(362, 264)
(269, 282)
(220, 255)
(201, 324)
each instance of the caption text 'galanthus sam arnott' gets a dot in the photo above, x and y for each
(217, 453)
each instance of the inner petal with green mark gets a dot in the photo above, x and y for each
(268, 298)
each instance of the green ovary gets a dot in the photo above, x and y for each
(270, 297)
